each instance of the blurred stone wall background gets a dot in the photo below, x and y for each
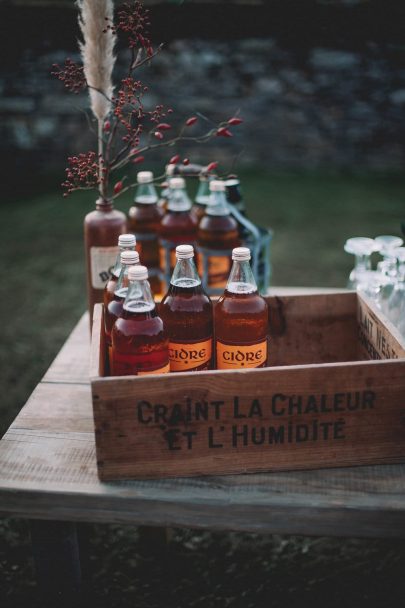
(319, 84)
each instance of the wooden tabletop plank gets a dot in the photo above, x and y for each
(71, 363)
(48, 471)
(53, 475)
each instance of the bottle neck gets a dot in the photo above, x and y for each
(146, 194)
(234, 196)
(185, 274)
(241, 279)
(118, 265)
(203, 193)
(139, 299)
(123, 282)
(105, 205)
(178, 200)
(217, 204)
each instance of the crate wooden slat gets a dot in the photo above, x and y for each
(322, 403)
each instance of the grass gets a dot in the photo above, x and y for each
(43, 295)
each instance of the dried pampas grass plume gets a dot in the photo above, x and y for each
(97, 51)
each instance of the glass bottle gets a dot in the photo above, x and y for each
(139, 342)
(113, 309)
(144, 220)
(102, 228)
(126, 242)
(187, 315)
(234, 194)
(217, 236)
(165, 193)
(396, 302)
(241, 319)
(202, 197)
(177, 227)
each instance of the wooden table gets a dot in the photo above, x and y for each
(48, 472)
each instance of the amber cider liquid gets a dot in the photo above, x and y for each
(241, 328)
(139, 342)
(144, 222)
(187, 315)
(180, 228)
(111, 313)
(109, 289)
(217, 233)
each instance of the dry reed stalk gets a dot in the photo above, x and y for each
(97, 51)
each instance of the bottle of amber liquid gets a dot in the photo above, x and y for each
(113, 309)
(139, 342)
(217, 235)
(144, 220)
(241, 319)
(165, 193)
(126, 242)
(187, 315)
(102, 228)
(202, 197)
(178, 226)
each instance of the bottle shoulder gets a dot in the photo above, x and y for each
(182, 220)
(223, 223)
(242, 303)
(99, 217)
(140, 211)
(183, 302)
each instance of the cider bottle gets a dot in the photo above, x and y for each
(177, 226)
(241, 319)
(202, 197)
(139, 342)
(234, 194)
(165, 193)
(102, 228)
(144, 220)
(126, 242)
(114, 308)
(187, 315)
(217, 236)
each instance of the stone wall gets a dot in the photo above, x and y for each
(321, 107)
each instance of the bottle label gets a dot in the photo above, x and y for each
(236, 356)
(102, 262)
(188, 356)
(124, 365)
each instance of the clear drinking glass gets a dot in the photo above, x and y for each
(372, 284)
(361, 248)
(388, 243)
(396, 302)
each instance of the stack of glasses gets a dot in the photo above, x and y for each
(385, 285)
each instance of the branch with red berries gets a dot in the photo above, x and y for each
(129, 130)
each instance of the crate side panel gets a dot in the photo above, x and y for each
(264, 420)
(312, 329)
(377, 337)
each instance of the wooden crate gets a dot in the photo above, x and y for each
(334, 395)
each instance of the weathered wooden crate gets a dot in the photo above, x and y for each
(334, 395)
